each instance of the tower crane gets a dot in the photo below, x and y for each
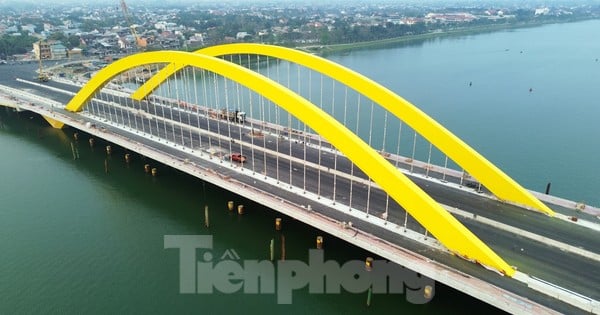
(42, 76)
(140, 42)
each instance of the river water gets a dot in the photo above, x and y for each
(478, 87)
(76, 239)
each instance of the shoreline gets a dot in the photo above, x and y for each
(336, 48)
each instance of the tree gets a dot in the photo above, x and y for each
(59, 36)
(73, 41)
(11, 45)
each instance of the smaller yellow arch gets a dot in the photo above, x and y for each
(500, 184)
(447, 229)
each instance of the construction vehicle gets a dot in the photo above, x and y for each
(232, 115)
(238, 157)
(43, 77)
(140, 42)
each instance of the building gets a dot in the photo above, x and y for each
(28, 28)
(196, 40)
(542, 11)
(75, 53)
(51, 49)
(41, 50)
(58, 50)
(450, 17)
(242, 35)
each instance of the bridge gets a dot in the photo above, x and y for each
(336, 150)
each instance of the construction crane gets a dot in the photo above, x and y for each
(42, 76)
(140, 42)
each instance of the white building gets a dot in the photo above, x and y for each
(542, 11)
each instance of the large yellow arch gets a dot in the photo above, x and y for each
(500, 184)
(447, 229)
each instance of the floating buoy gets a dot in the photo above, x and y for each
(127, 157)
(240, 209)
(278, 224)
(147, 168)
(108, 150)
(428, 292)
(319, 242)
(91, 141)
(230, 205)
(369, 263)
(76, 136)
(154, 171)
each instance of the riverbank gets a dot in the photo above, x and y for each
(336, 48)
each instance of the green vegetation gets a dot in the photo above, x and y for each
(12, 45)
(464, 30)
(70, 42)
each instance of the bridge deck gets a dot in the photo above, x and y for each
(532, 257)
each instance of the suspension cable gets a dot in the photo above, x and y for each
(344, 119)
(335, 150)
(428, 161)
(398, 142)
(197, 108)
(445, 168)
(207, 108)
(239, 120)
(277, 128)
(188, 101)
(305, 144)
(262, 115)
(352, 164)
(320, 147)
(178, 78)
(217, 98)
(289, 120)
(387, 196)
(252, 134)
(225, 114)
(370, 138)
(412, 158)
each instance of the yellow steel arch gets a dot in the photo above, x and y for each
(449, 231)
(500, 184)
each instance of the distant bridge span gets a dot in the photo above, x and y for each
(449, 231)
